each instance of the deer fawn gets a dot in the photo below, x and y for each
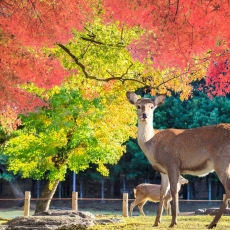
(173, 152)
(151, 192)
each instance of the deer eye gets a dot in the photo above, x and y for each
(152, 107)
(138, 107)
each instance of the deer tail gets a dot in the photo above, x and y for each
(134, 191)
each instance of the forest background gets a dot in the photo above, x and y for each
(65, 68)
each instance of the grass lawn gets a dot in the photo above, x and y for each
(12, 213)
(184, 222)
(144, 222)
(114, 209)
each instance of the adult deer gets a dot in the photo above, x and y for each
(173, 152)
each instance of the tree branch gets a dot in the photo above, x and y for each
(87, 75)
(101, 43)
(120, 78)
(177, 7)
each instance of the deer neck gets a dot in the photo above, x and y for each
(145, 135)
(148, 144)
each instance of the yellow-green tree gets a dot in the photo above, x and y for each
(72, 133)
(87, 120)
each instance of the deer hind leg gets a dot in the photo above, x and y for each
(140, 206)
(224, 177)
(167, 207)
(163, 191)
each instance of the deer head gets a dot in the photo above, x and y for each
(145, 106)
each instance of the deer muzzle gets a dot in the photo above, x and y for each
(144, 116)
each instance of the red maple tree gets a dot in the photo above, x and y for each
(26, 27)
(181, 34)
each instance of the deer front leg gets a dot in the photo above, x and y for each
(163, 191)
(132, 206)
(174, 180)
(159, 211)
(174, 208)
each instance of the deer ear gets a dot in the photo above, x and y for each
(158, 100)
(132, 97)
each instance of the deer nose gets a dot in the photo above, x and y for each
(144, 116)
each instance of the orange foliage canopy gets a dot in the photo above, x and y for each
(34, 24)
(181, 33)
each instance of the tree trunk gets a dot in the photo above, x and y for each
(47, 194)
